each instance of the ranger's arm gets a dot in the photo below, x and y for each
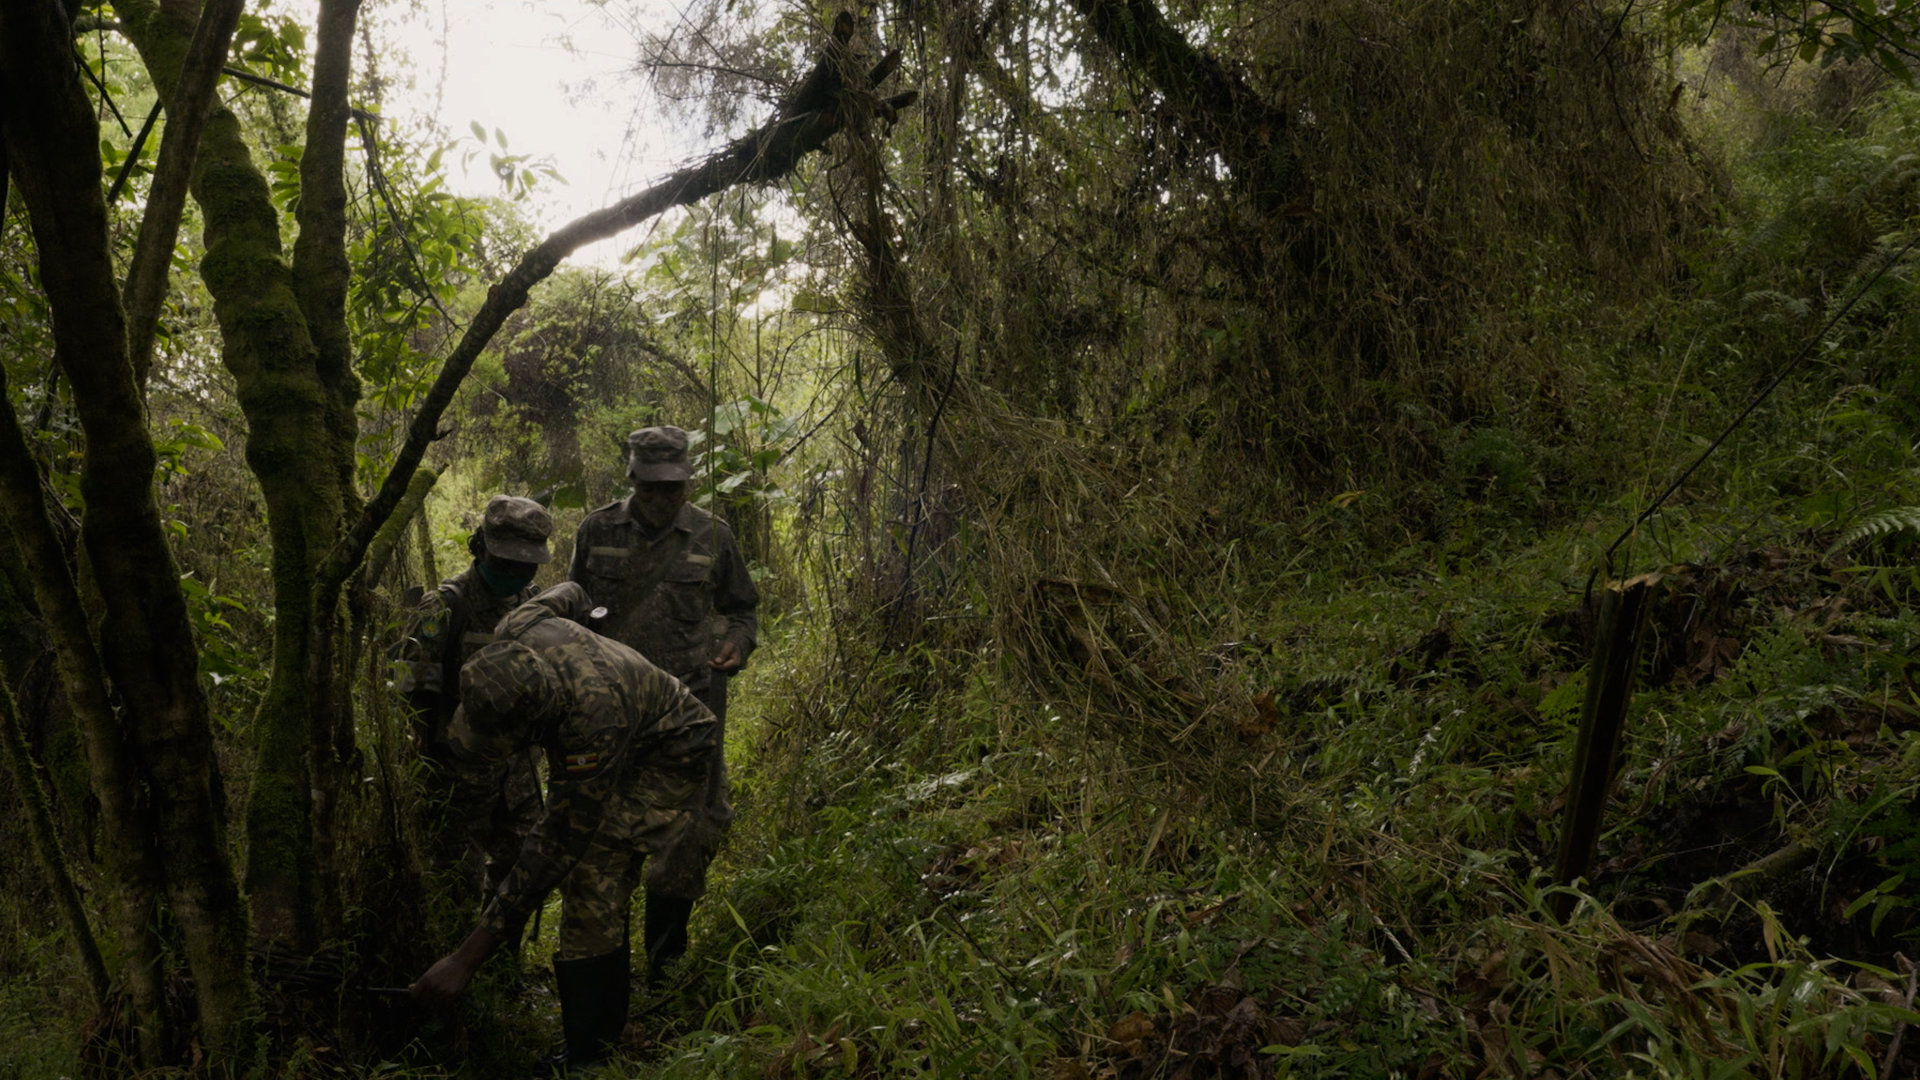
(576, 813)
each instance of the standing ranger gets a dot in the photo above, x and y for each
(480, 810)
(673, 587)
(627, 750)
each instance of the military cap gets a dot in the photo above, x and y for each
(506, 688)
(516, 528)
(469, 745)
(658, 453)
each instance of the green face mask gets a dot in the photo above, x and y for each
(503, 585)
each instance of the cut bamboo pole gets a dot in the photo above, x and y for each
(1623, 609)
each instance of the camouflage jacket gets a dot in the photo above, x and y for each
(672, 598)
(618, 722)
(422, 654)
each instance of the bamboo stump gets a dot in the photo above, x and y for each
(1623, 611)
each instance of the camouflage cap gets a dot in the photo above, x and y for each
(505, 690)
(516, 528)
(658, 453)
(469, 745)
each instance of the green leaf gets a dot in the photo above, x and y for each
(478, 131)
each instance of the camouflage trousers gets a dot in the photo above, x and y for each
(595, 895)
(480, 814)
(681, 871)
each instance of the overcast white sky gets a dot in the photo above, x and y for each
(505, 66)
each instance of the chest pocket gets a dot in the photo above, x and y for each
(610, 563)
(472, 642)
(683, 589)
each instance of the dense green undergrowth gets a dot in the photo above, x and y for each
(972, 887)
(1294, 813)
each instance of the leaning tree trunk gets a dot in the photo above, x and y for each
(131, 863)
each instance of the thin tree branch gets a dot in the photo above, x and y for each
(377, 177)
(274, 84)
(716, 69)
(133, 155)
(387, 540)
(146, 285)
(80, 61)
(262, 80)
(678, 363)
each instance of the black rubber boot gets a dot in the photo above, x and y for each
(666, 933)
(593, 1006)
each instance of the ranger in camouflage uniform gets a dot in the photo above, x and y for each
(673, 586)
(627, 751)
(480, 810)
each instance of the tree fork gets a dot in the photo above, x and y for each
(271, 351)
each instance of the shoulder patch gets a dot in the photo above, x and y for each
(582, 763)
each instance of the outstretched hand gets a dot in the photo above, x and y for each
(445, 980)
(448, 978)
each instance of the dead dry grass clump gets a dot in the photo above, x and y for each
(1481, 193)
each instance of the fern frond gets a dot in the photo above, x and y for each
(1765, 243)
(1880, 524)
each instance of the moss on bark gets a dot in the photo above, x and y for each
(146, 642)
(298, 435)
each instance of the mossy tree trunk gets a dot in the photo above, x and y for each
(284, 338)
(162, 736)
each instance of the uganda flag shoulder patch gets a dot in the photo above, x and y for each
(582, 763)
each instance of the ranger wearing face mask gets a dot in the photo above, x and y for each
(668, 581)
(479, 812)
